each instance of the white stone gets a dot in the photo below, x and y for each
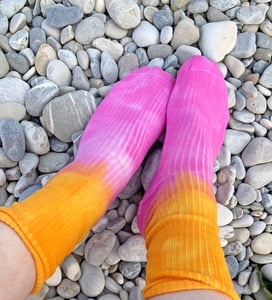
(217, 39)
(224, 215)
(262, 244)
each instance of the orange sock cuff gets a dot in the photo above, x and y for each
(54, 219)
(183, 247)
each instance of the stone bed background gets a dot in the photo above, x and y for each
(58, 59)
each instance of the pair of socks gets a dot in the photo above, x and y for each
(177, 215)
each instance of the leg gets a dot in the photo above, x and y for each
(178, 213)
(119, 134)
(17, 265)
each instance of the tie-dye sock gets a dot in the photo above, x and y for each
(129, 120)
(178, 212)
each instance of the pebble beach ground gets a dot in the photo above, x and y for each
(58, 59)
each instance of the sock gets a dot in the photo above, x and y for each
(177, 215)
(125, 125)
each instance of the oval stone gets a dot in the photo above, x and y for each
(68, 114)
(13, 139)
(262, 244)
(13, 110)
(13, 90)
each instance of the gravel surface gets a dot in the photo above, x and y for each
(62, 54)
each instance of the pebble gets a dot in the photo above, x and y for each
(113, 48)
(224, 5)
(99, 247)
(185, 33)
(29, 191)
(233, 265)
(18, 62)
(68, 289)
(233, 248)
(258, 151)
(244, 116)
(19, 40)
(257, 228)
(94, 275)
(12, 138)
(224, 193)
(135, 294)
(24, 182)
(38, 96)
(259, 176)
(244, 276)
(235, 66)
(257, 104)
(133, 250)
(145, 34)
(89, 29)
(245, 45)
(113, 31)
(262, 244)
(224, 215)
(124, 14)
(10, 7)
(246, 194)
(12, 110)
(4, 24)
(45, 54)
(217, 39)
(58, 16)
(112, 286)
(80, 80)
(127, 63)
(130, 270)
(162, 18)
(71, 268)
(266, 75)
(236, 140)
(58, 72)
(244, 222)
(109, 68)
(37, 37)
(250, 14)
(55, 278)
(67, 114)
(52, 162)
(28, 163)
(36, 138)
(68, 57)
(17, 22)
(5, 162)
(12, 90)
(267, 271)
